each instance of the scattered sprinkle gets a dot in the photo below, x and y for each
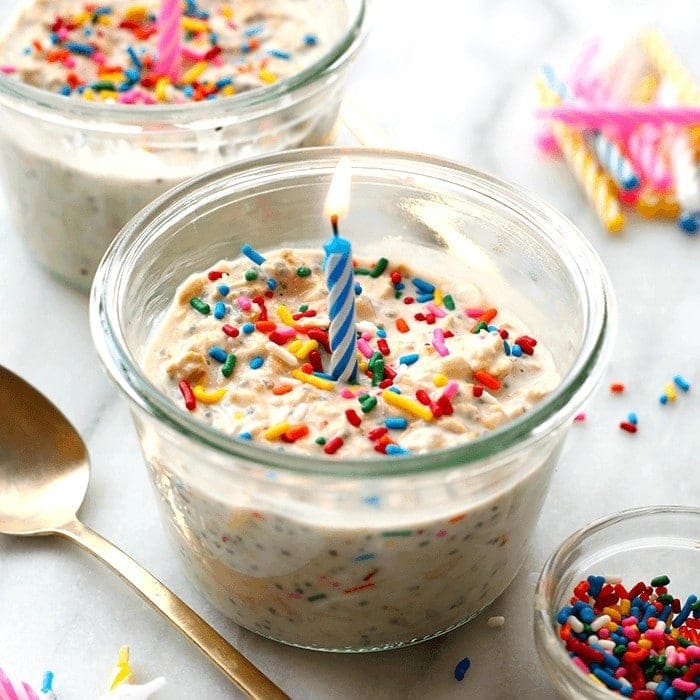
(461, 668)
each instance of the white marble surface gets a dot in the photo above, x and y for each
(455, 82)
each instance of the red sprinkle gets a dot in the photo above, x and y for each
(214, 275)
(395, 277)
(401, 325)
(488, 380)
(333, 445)
(278, 338)
(629, 427)
(376, 433)
(320, 337)
(408, 300)
(422, 396)
(445, 405)
(186, 390)
(230, 331)
(352, 417)
(617, 388)
(386, 383)
(477, 391)
(315, 360)
(383, 346)
(307, 368)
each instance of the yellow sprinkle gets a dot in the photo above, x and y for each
(437, 297)
(285, 315)
(104, 21)
(193, 73)
(670, 392)
(108, 95)
(294, 345)
(238, 415)
(192, 24)
(625, 606)
(227, 12)
(440, 380)
(306, 347)
(363, 366)
(122, 672)
(644, 643)
(89, 95)
(595, 678)
(614, 615)
(161, 87)
(266, 76)
(408, 405)
(318, 382)
(228, 90)
(274, 431)
(674, 632)
(115, 77)
(136, 12)
(208, 396)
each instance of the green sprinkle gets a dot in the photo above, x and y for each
(376, 356)
(660, 581)
(363, 271)
(103, 85)
(251, 275)
(303, 307)
(318, 596)
(303, 271)
(619, 649)
(397, 533)
(449, 302)
(665, 598)
(379, 267)
(369, 404)
(481, 326)
(398, 294)
(199, 305)
(695, 606)
(229, 365)
(320, 441)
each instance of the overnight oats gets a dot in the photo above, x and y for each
(95, 125)
(355, 514)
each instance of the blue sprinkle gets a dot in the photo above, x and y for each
(80, 89)
(492, 329)
(408, 359)
(364, 557)
(516, 350)
(310, 39)
(65, 90)
(395, 389)
(631, 418)
(191, 6)
(324, 375)
(188, 91)
(223, 82)
(134, 58)
(213, 96)
(254, 30)
(372, 501)
(278, 53)
(123, 87)
(219, 309)
(245, 436)
(253, 254)
(681, 383)
(595, 583)
(358, 289)
(587, 614)
(607, 678)
(26, 51)
(688, 221)
(47, 685)
(77, 47)
(256, 362)
(87, 31)
(426, 296)
(399, 286)
(461, 668)
(506, 347)
(396, 423)
(685, 611)
(381, 333)
(397, 450)
(248, 327)
(223, 289)
(218, 354)
(54, 38)
(663, 399)
(423, 286)
(563, 614)
(272, 284)
(132, 74)
(102, 11)
(245, 48)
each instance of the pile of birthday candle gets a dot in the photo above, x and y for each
(628, 125)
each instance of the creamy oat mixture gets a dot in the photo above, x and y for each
(109, 50)
(244, 348)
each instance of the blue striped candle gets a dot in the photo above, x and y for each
(340, 280)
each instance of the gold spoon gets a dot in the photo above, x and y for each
(44, 474)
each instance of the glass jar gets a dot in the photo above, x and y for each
(355, 554)
(74, 172)
(635, 545)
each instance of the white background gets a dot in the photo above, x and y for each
(454, 79)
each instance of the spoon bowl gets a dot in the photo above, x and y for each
(44, 475)
(44, 467)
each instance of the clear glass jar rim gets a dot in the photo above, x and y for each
(231, 108)
(545, 617)
(514, 435)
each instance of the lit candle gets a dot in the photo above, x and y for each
(170, 39)
(340, 279)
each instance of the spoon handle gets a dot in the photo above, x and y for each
(230, 661)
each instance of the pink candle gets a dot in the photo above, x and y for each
(169, 39)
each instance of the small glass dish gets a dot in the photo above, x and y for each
(74, 171)
(636, 545)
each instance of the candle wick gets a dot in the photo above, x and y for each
(334, 224)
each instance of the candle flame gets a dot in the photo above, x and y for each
(338, 198)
